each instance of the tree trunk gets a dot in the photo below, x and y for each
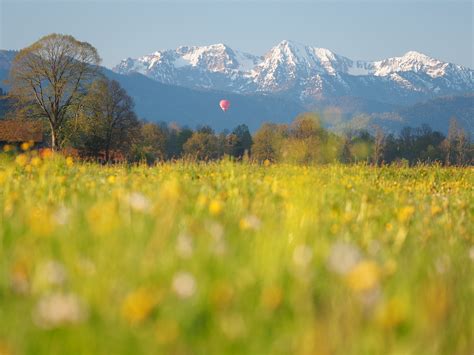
(54, 139)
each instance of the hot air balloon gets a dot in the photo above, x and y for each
(225, 105)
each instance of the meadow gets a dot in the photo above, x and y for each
(234, 258)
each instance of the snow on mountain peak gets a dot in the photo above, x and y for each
(295, 67)
(410, 61)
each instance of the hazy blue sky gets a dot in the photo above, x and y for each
(360, 30)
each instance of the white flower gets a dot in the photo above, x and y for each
(251, 222)
(302, 255)
(184, 285)
(184, 246)
(51, 273)
(139, 202)
(343, 257)
(61, 216)
(58, 309)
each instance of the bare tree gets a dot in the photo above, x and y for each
(50, 76)
(456, 144)
(379, 146)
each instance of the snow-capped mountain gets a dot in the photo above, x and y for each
(215, 66)
(304, 73)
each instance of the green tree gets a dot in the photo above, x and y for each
(111, 123)
(202, 146)
(151, 143)
(49, 77)
(268, 141)
(240, 141)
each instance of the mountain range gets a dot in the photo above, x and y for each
(305, 74)
(185, 85)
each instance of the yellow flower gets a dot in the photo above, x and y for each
(391, 314)
(170, 190)
(215, 207)
(25, 146)
(266, 162)
(138, 305)
(5, 349)
(35, 161)
(69, 161)
(364, 276)
(250, 222)
(111, 179)
(201, 201)
(435, 210)
(221, 295)
(405, 213)
(7, 148)
(41, 222)
(271, 297)
(21, 160)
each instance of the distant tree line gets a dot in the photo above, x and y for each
(57, 80)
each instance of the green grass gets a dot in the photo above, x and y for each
(228, 258)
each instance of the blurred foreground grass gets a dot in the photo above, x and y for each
(228, 258)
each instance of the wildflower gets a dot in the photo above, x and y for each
(215, 207)
(21, 159)
(35, 161)
(364, 276)
(69, 161)
(400, 238)
(46, 153)
(61, 216)
(334, 229)
(391, 313)
(201, 201)
(184, 246)
(138, 305)
(102, 218)
(19, 278)
(302, 255)
(390, 267)
(405, 213)
(266, 162)
(221, 294)
(170, 190)
(343, 257)
(5, 349)
(271, 297)
(232, 326)
(25, 146)
(111, 179)
(138, 202)
(250, 222)
(58, 309)
(41, 222)
(7, 148)
(435, 210)
(49, 274)
(184, 285)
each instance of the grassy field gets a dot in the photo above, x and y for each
(228, 258)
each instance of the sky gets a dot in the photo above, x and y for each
(368, 30)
